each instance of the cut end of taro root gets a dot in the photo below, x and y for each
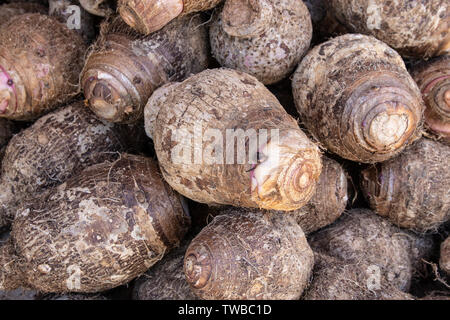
(246, 18)
(197, 265)
(147, 16)
(388, 128)
(447, 99)
(101, 99)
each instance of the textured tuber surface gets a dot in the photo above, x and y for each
(413, 189)
(124, 68)
(264, 38)
(100, 8)
(249, 255)
(444, 261)
(98, 230)
(228, 107)
(10, 10)
(356, 98)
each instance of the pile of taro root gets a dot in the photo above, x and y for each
(235, 149)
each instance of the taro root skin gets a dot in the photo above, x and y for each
(285, 170)
(96, 231)
(444, 261)
(414, 28)
(264, 38)
(413, 189)
(100, 8)
(40, 62)
(357, 99)
(124, 68)
(250, 256)
(9, 10)
(148, 16)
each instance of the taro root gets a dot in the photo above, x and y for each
(433, 79)
(249, 255)
(413, 189)
(444, 261)
(124, 68)
(361, 236)
(268, 162)
(165, 280)
(55, 147)
(98, 230)
(264, 38)
(147, 16)
(40, 62)
(413, 28)
(10, 10)
(100, 8)
(357, 99)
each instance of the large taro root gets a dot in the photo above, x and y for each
(249, 255)
(444, 261)
(414, 28)
(433, 79)
(264, 38)
(268, 162)
(98, 230)
(124, 68)
(54, 148)
(413, 189)
(10, 10)
(357, 99)
(361, 236)
(147, 16)
(40, 62)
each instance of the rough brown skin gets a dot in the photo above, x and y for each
(362, 236)
(249, 256)
(357, 99)
(413, 189)
(335, 279)
(433, 79)
(220, 100)
(264, 38)
(444, 261)
(10, 10)
(413, 28)
(40, 62)
(55, 147)
(96, 231)
(165, 280)
(147, 16)
(124, 68)
(100, 8)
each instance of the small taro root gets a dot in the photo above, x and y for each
(147, 16)
(356, 97)
(413, 189)
(98, 230)
(124, 68)
(165, 280)
(335, 279)
(413, 28)
(40, 62)
(444, 261)
(10, 10)
(249, 255)
(55, 147)
(433, 79)
(227, 107)
(264, 38)
(361, 236)
(100, 8)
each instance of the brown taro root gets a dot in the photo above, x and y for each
(264, 38)
(100, 8)
(165, 280)
(125, 68)
(356, 97)
(55, 147)
(433, 79)
(10, 10)
(253, 153)
(329, 200)
(98, 230)
(335, 279)
(249, 255)
(413, 189)
(444, 261)
(413, 28)
(361, 236)
(40, 62)
(147, 16)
